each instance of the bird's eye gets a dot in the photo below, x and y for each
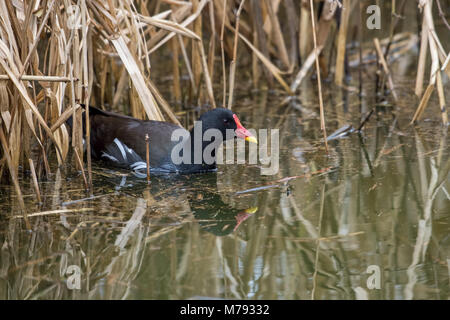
(226, 121)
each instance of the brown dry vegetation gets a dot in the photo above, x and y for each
(57, 54)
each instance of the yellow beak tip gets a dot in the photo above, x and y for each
(251, 210)
(251, 139)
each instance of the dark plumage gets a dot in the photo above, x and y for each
(120, 140)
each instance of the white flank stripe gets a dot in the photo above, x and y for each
(110, 157)
(138, 165)
(122, 150)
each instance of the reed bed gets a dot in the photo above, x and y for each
(56, 55)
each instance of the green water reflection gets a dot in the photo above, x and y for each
(384, 201)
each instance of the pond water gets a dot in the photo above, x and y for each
(368, 220)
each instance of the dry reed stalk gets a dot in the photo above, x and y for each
(269, 65)
(233, 62)
(46, 213)
(342, 37)
(157, 40)
(86, 93)
(35, 181)
(440, 89)
(446, 64)
(63, 118)
(307, 64)
(80, 165)
(121, 86)
(24, 95)
(12, 170)
(324, 28)
(36, 40)
(323, 31)
(76, 72)
(163, 102)
(222, 51)
(394, 24)
(187, 63)
(175, 70)
(279, 40)
(437, 57)
(212, 41)
(206, 74)
(137, 78)
(26, 77)
(133, 68)
(423, 102)
(304, 34)
(255, 63)
(255, 6)
(292, 22)
(75, 124)
(195, 53)
(168, 26)
(136, 109)
(319, 83)
(385, 67)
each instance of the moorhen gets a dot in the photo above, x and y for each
(120, 140)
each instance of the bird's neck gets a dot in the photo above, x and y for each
(197, 146)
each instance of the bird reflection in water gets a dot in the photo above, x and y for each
(199, 193)
(217, 217)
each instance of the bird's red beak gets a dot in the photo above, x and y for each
(243, 133)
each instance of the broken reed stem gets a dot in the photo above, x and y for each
(423, 103)
(63, 118)
(147, 144)
(233, 62)
(27, 77)
(80, 164)
(35, 181)
(322, 116)
(385, 67)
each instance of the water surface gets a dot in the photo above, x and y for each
(379, 199)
